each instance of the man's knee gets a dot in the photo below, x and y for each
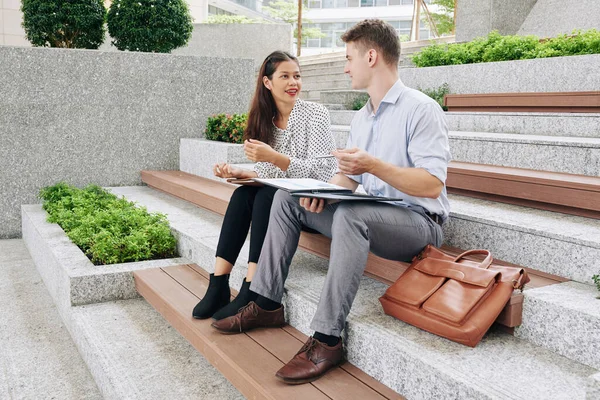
(284, 203)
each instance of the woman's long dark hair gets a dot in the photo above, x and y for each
(263, 108)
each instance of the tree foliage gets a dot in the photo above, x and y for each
(157, 26)
(64, 23)
(287, 11)
(443, 20)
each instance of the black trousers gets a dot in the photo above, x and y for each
(248, 204)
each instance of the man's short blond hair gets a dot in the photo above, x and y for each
(375, 34)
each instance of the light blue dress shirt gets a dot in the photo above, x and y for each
(408, 130)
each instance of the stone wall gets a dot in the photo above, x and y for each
(86, 116)
(557, 74)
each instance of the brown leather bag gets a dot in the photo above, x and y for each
(452, 297)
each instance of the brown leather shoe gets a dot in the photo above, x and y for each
(313, 361)
(249, 317)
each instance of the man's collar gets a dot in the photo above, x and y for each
(394, 93)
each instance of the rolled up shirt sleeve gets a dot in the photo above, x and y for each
(350, 143)
(428, 146)
(266, 170)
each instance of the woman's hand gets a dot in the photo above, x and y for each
(224, 170)
(258, 151)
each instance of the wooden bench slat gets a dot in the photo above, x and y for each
(386, 271)
(338, 384)
(235, 357)
(572, 194)
(585, 102)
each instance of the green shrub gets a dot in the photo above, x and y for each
(438, 94)
(596, 279)
(495, 47)
(157, 26)
(107, 229)
(64, 23)
(358, 102)
(226, 127)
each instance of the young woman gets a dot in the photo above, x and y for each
(283, 136)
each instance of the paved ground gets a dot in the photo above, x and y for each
(38, 359)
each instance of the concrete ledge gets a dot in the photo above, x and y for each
(197, 156)
(556, 74)
(69, 275)
(544, 124)
(564, 318)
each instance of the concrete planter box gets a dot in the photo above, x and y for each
(70, 277)
(198, 156)
(556, 74)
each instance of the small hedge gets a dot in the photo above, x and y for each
(107, 229)
(157, 26)
(495, 47)
(226, 127)
(64, 23)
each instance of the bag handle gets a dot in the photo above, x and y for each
(485, 263)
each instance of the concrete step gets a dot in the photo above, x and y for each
(572, 155)
(325, 71)
(544, 124)
(408, 360)
(333, 63)
(337, 84)
(564, 318)
(340, 96)
(550, 242)
(38, 359)
(130, 351)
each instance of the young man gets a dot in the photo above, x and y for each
(398, 147)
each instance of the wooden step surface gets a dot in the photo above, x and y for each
(552, 191)
(248, 360)
(580, 102)
(215, 196)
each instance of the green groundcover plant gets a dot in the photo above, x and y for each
(226, 127)
(596, 279)
(495, 47)
(106, 228)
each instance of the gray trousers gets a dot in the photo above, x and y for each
(355, 228)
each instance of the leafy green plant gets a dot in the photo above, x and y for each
(226, 127)
(438, 94)
(358, 102)
(495, 47)
(64, 23)
(157, 26)
(107, 229)
(596, 279)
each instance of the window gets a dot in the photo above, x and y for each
(407, 2)
(212, 10)
(381, 3)
(327, 4)
(353, 3)
(314, 4)
(341, 3)
(313, 43)
(366, 3)
(394, 2)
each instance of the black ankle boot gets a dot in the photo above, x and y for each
(244, 297)
(217, 296)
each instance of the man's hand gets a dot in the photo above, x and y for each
(354, 161)
(313, 205)
(224, 170)
(258, 151)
